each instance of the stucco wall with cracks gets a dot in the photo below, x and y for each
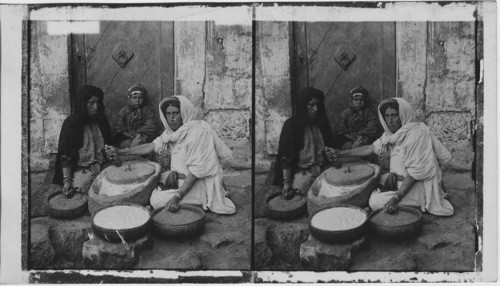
(214, 70)
(48, 93)
(436, 74)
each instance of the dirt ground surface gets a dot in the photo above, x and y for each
(445, 243)
(225, 243)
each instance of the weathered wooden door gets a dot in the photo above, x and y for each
(152, 63)
(317, 45)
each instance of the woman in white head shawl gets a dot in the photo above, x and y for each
(195, 151)
(414, 154)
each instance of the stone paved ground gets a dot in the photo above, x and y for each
(445, 244)
(224, 244)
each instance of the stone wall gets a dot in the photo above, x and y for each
(214, 70)
(48, 92)
(436, 74)
(272, 88)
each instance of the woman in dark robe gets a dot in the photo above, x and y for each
(84, 134)
(301, 153)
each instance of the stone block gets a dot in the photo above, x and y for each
(53, 51)
(100, 254)
(231, 126)
(462, 155)
(38, 159)
(274, 123)
(41, 251)
(285, 240)
(263, 162)
(224, 92)
(51, 130)
(190, 53)
(453, 130)
(401, 262)
(277, 95)
(411, 39)
(259, 124)
(187, 260)
(262, 253)
(229, 50)
(319, 256)
(273, 48)
(68, 239)
(450, 67)
(450, 127)
(437, 240)
(219, 239)
(56, 99)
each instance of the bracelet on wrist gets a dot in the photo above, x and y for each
(397, 197)
(177, 195)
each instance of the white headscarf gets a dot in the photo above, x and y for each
(408, 123)
(188, 113)
(189, 121)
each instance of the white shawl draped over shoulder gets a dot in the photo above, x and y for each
(415, 151)
(197, 149)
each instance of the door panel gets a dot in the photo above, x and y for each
(374, 67)
(151, 64)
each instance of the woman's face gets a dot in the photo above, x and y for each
(173, 116)
(93, 106)
(313, 108)
(391, 117)
(136, 99)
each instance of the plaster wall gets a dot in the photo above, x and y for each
(272, 89)
(49, 93)
(214, 70)
(436, 74)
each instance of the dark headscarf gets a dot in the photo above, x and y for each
(292, 133)
(71, 136)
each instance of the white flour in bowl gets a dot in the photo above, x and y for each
(121, 217)
(338, 218)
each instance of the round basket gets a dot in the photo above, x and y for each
(73, 212)
(338, 236)
(400, 231)
(122, 234)
(180, 230)
(289, 214)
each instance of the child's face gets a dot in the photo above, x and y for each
(358, 101)
(136, 99)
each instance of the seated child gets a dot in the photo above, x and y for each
(358, 124)
(136, 123)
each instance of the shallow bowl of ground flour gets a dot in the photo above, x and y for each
(122, 222)
(338, 224)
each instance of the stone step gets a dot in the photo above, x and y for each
(316, 255)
